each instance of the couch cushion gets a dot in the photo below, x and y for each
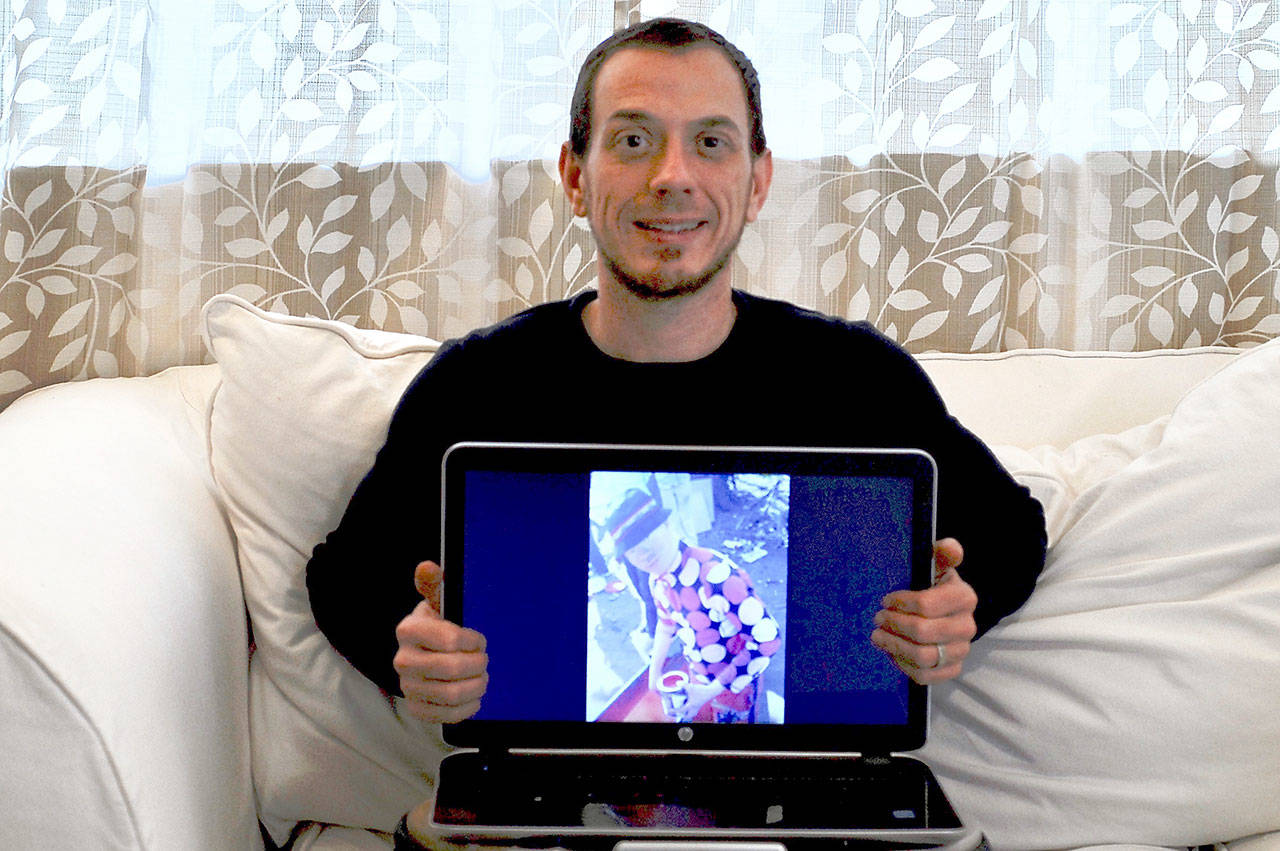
(1030, 397)
(303, 408)
(1132, 699)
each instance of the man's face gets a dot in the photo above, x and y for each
(668, 181)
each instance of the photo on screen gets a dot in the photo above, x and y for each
(687, 597)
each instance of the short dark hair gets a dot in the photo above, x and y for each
(661, 34)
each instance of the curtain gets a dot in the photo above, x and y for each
(969, 176)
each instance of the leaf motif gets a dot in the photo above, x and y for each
(337, 208)
(996, 40)
(540, 224)
(332, 283)
(1118, 305)
(1244, 187)
(1226, 119)
(514, 246)
(68, 354)
(118, 265)
(406, 290)
(860, 202)
(927, 226)
(1028, 243)
(1153, 276)
(331, 243)
(1124, 338)
(952, 281)
(15, 245)
(953, 175)
(70, 318)
(1188, 297)
(432, 240)
(1236, 262)
(78, 255)
(10, 343)
(398, 237)
(1126, 53)
(993, 231)
(974, 262)
(1153, 229)
(962, 222)
(1270, 243)
(1244, 309)
(1238, 222)
(869, 247)
(897, 272)
(907, 300)
(1160, 324)
(833, 272)
(986, 333)
(987, 295)
(830, 233)
(894, 213)
(246, 247)
(934, 31)
(926, 325)
(935, 69)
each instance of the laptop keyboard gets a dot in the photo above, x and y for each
(608, 791)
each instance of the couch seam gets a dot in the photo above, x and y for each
(89, 723)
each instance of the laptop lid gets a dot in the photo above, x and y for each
(784, 557)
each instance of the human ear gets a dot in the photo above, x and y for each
(571, 179)
(761, 179)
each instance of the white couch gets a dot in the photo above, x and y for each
(1133, 700)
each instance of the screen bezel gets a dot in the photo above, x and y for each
(915, 465)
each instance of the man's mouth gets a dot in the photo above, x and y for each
(671, 228)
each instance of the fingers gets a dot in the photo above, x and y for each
(947, 556)
(442, 666)
(427, 578)
(920, 661)
(914, 624)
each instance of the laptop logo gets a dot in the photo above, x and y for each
(685, 734)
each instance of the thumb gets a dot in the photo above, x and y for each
(947, 555)
(427, 577)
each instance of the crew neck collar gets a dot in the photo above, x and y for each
(578, 304)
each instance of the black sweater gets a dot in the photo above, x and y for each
(784, 376)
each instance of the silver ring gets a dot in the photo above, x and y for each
(942, 656)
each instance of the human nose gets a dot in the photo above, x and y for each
(672, 170)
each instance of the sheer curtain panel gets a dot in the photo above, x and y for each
(969, 176)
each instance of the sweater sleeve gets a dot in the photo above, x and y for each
(360, 578)
(998, 522)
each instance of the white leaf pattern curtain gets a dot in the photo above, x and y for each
(970, 176)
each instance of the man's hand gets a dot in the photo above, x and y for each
(913, 625)
(442, 666)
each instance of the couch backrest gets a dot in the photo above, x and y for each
(1033, 397)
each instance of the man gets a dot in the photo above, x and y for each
(708, 603)
(667, 161)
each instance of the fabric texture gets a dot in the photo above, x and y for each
(507, 382)
(1133, 697)
(123, 643)
(301, 410)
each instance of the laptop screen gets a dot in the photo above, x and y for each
(656, 598)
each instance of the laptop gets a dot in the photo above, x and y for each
(679, 650)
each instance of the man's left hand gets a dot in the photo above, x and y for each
(928, 633)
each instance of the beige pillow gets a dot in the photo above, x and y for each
(302, 410)
(1133, 698)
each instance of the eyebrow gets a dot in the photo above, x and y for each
(709, 122)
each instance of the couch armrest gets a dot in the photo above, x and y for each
(123, 652)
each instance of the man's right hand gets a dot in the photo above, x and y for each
(442, 666)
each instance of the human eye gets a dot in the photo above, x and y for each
(712, 143)
(630, 141)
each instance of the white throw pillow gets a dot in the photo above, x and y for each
(302, 410)
(1133, 698)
